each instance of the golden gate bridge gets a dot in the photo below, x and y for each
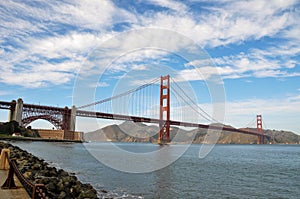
(137, 105)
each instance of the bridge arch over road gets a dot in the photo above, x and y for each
(24, 114)
(53, 120)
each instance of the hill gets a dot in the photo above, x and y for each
(139, 132)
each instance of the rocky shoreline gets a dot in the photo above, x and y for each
(58, 183)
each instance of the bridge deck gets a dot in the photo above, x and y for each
(157, 121)
(82, 113)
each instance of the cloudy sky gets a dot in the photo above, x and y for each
(49, 48)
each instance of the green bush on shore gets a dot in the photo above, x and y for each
(9, 128)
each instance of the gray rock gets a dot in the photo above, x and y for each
(58, 183)
(36, 166)
(51, 187)
(60, 186)
(62, 195)
(87, 194)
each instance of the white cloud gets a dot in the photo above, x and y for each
(55, 37)
(274, 73)
(102, 84)
(294, 98)
(50, 60)
(271, 106)
(3, 93)
(141, 67)
(22, 18)
(173, 5)
(35, 79)
(202, 73)
(93, 14)
(16, 23)
(228, 22)
(46, 42)
(270, 62)
(66, 46)
(134, 50)
(277, 113)
(292, 33)
(139, 55)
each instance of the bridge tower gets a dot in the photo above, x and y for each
(260, 137)
(16, 111)
(73, 119)
(164, 113)
(69, 118)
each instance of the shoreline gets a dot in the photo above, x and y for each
(58, 183)
(37, 139)
(83, 141)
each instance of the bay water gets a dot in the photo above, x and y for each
(228, 171)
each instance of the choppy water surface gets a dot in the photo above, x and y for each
(229, 171)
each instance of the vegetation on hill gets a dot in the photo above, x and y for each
(12, 127)
(139, 132)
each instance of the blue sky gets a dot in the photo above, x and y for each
(47, 47)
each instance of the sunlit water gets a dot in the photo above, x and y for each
(229, 171)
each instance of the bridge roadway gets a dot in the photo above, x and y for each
(7, 105)
(92, 114)
(110, 116)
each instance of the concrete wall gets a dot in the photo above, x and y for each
(60, 134)
(71, 135)
(51, 134)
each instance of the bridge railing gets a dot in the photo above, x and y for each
(36, 191)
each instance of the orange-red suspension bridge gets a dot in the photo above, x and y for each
(137, 102)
